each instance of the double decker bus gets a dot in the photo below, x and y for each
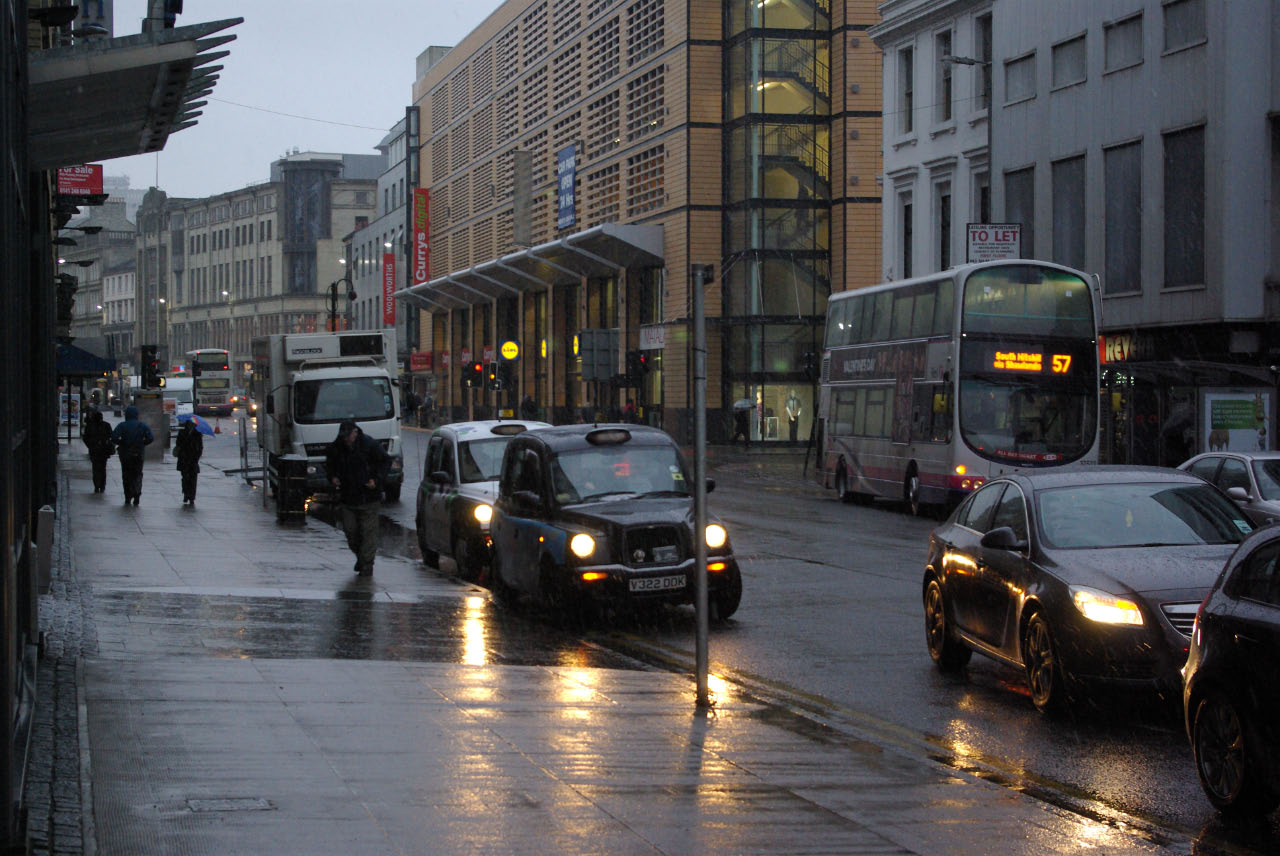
(930, 386)
(211, 369)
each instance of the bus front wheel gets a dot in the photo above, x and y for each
(842, 485)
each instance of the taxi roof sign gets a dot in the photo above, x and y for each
(608, 436)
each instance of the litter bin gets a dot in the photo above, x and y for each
(291, 490)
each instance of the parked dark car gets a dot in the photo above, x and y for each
(1078, 576)
(1231, 683)
(589, 515)
(455, 496)
(1251, 479)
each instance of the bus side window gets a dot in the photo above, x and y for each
(931, 413)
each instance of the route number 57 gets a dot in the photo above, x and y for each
(1061, 363)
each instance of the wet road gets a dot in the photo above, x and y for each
(831, 622)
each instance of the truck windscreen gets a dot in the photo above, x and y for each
(335, 399)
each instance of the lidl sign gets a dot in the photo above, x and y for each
(510, 350)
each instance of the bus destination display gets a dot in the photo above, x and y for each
(1033, 361)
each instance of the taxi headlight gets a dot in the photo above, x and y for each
(483, 513)
(1105, 608)
(716, 536)
(582, 545)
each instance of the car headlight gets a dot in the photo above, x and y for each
(483, 513)
(582, 545)
(716, 536)
(1105, 608)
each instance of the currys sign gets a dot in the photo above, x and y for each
(421, 241)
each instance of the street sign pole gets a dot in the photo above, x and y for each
(701, 276)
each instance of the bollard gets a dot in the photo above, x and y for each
(44, 547)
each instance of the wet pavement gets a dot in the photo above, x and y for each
(242, 691)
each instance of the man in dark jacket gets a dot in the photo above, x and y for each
(131, 437)
(188, 449)
(97, 439)
(357, 465)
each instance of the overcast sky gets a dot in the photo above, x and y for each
(346, 63)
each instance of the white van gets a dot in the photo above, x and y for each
(178, 399)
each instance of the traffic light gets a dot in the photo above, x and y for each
(637, 367)
(150, 364)
(507, 374)
(491, 377)
(474, 375)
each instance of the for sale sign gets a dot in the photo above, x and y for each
(80, 180)
(989, 242)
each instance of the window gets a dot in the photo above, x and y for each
(982, 197)
(906, 92)
(1012, 512)
(1233, 474)
(1019, 206)
(942, 207)
(982, 50)
(1122, 43)
(1069, 62)
(1068, 212)
(1205, 468)
(1184, 207)
(645, 29)
(1184, 24)
(1020, 78)
(1122, 180)
(1258, 578)
(904, 209)
(977, 515)
(942, 98)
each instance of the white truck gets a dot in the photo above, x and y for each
(306, 384)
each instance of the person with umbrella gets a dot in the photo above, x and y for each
(97, 438)
(187, 449)
(131, 437)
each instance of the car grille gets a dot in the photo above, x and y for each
(1181, 615)
(653, 545)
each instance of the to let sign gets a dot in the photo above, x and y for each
(990, 242)
(421, 236)
(80, 180)
(388, 288)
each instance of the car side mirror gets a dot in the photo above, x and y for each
(1003, 538)
(711, 484)
(1239, 494)
(527, 500)
(439, 477)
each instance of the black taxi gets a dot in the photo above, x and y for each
(603, 514)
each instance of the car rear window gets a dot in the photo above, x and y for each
(1137, 515)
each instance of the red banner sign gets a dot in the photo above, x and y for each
(488, 353)
(388, 288)
(421, 236)
(420, 361)
(80, 180)
(445, 359)
(465, 356)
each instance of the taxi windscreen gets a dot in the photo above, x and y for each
(627, 470)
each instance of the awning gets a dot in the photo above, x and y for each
(109, 98)
(599, 251)
(77, 362)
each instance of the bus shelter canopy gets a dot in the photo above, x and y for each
(599, 251)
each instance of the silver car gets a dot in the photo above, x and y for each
(1251, 479)
(459, 483)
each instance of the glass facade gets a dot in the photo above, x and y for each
(777, 222)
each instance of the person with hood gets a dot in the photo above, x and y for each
(97, 439)
(357, 465)
(130, 438)
(187, 449)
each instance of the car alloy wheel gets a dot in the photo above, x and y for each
(911, 493)
(948, 653)
(1226, 758)
(842, 485)
(1044, 672)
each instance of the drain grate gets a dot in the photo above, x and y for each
(231, 804)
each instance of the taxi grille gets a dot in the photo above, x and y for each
(314, 449)
(653, 545)
(1181, 615)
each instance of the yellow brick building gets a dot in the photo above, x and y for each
(743, 134)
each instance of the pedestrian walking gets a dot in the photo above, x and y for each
(528, 409)
(741, 428)
(97, 439)
(357, 466)
(187, 449)
(131, 437)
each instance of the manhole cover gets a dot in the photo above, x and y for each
(231, 804)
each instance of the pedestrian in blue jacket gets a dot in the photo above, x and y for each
(131, 437)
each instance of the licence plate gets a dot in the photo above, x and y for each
(657, 583)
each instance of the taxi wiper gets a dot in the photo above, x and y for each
(592, 496)
(680, 493)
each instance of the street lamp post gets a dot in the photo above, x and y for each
(333, 299)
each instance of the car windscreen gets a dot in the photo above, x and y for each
(182, 396)
(481, 460)
(1137, 515)
(338, 399)
(583, 475)
(1267, 474)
